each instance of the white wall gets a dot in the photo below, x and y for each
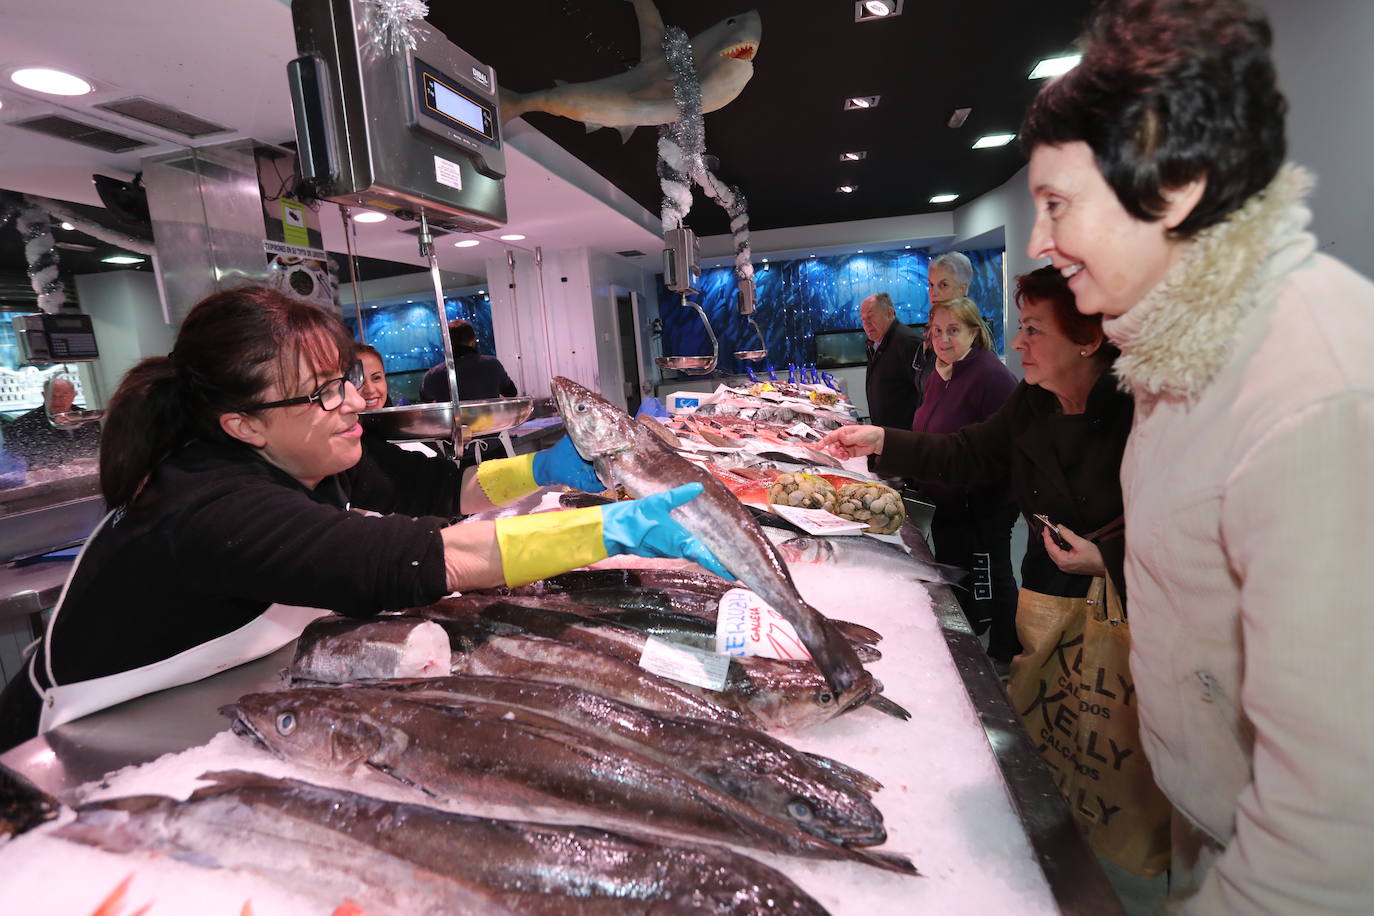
(609, 271)
(126, 315)
(1326, 69)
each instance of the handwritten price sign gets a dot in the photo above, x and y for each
(746, 625)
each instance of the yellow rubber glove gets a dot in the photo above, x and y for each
(506, 479)
(535, 547)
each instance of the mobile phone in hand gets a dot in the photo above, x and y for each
(1054, 533)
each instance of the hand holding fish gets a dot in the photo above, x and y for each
(645, 528)
(1083, 560)
(853, 441)
(560, 464)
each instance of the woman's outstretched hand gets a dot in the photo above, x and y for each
(853, 441)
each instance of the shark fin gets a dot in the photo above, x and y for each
(593, 127)
(650, 30)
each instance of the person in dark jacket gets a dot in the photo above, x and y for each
(1058, 438)
(893, 351)
(479, 377)
(230, 467)
(41, 441)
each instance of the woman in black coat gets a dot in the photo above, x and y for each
(1058, 439)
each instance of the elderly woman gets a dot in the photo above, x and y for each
(230, 466)
(972, 523)
(1160, 192)
(948, 278)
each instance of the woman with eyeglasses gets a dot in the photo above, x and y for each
(230, 467)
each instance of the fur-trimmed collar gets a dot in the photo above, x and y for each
(1175, 340)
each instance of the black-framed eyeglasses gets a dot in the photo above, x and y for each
(330, 395)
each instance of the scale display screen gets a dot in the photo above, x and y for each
(444, 99)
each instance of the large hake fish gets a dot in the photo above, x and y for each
(826, 799)
(625, 452)
(404, 859)
(458, 755)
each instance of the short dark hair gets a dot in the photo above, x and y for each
(461, 333)
(1169, 91)
(1047, 285)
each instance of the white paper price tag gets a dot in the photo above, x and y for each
(801, 429)
(684, 663)
(747, 625)
(818, 521)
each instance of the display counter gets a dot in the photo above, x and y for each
(966, 795)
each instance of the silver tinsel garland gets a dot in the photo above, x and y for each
(681, 146)
(392, 28)
(35, 228)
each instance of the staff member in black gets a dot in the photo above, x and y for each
(230, 466)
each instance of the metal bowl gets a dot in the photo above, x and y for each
(687, 363)
(435, 421)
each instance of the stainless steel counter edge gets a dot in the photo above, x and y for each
(1075, 878)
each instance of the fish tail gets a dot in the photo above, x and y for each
(515, 104)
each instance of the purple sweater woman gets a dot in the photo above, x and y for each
(971, 528)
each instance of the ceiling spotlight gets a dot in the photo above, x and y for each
(765, 260)
(869, 10)
(66, 225)
(481, 292)
(369, 216)
(860, 251)
(942, 199)
(906, 246)
(1055, 66)
(847, 188)
(122, 259)
(812, 256)
(990, 140)
(467, 243)
(512, 237)
(854, 156)
(52, 82)
(860, 102)
(960, 115)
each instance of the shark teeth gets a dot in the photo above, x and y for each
(743, 51)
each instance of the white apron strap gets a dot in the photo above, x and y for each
(265, 634)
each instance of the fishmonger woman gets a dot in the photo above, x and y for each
(230, 466)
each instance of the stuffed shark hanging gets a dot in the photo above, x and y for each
(643, 96)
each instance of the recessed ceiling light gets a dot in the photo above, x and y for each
(847, 188)
(990, 140)
(122, 259)
(1055, 66)
(512, 237)
(906, 246)
(812, 255)
(859, 102)
(854, 156)
(860, 251)
(53, 82)
(68, 226)
(869, 10)
(765, 260)
(481, 292)
(959, 116)
(369, 216)
(467, 243)
(942, 199)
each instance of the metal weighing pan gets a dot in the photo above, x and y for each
(435, 421)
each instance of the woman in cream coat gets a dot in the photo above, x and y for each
(1160, 189)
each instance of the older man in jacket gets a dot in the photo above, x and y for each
(892, 350)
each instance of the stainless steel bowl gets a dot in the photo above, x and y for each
(687, 363)
(435, 421)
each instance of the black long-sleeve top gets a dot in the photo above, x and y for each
(218, 534)
(1067, 467)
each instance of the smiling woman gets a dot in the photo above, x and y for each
(1160, 192)
(231, 464)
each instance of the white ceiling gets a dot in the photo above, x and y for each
(225, 60)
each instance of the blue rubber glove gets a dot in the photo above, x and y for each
(644, 528)
(561, 464)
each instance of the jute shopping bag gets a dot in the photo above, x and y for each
(1072, 687)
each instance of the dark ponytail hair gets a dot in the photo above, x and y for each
(231, 348)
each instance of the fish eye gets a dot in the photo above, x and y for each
(581, 406)
(799, 810)
(825, 698)
(286, 723)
